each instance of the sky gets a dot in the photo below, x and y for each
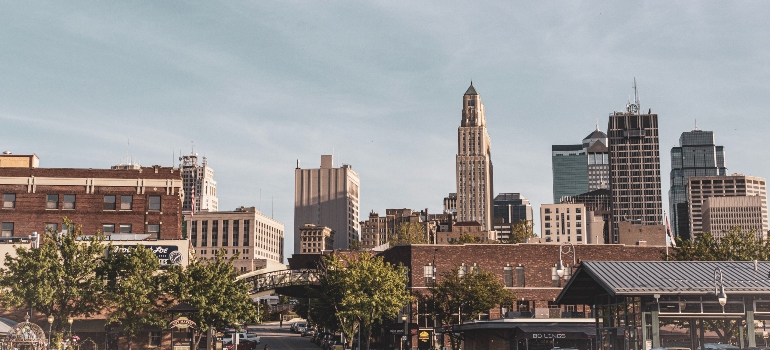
(258, 85)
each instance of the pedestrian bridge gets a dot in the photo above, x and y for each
(285, 282)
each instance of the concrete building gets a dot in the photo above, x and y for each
(721, 214)
(509, 210)
(630, 233)
(450, 204)
(327, 196)
(143, 203)
(700, 188)
(472, 228)
(634, 168)
(696, 155)
(563, 223)
(378, 230)
(475, 194)
(199, 186)
(595, 145)
(598, 211)
(243, 231)
(316, 239)
(570, 170)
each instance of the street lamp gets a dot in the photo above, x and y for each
(403, 339)
(70, 320)
(719, 288)
(435, 322)
(50, 324)
(570, 250)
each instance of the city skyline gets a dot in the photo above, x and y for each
(257, 87)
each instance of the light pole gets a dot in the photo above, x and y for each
(570, 250)
(403, 338)
(435, 250)
(50, 324)
(719, 287)
(70, 320)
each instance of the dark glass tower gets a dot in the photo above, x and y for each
(697, 155)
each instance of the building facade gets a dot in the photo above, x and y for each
(701, 188)
(570, 170)
(634, 156)
(9, 160)
(510, 209)
(696, 155)
(721, 214)
(316, 239)
(145, 203)
(598, 210)
(327, 196)
(199, 186)
(595, 145)
(244, 231)
(564, 222)
(474, 163)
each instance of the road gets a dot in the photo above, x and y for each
(281, 339)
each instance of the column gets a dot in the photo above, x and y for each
(750, 328)
(655, 327)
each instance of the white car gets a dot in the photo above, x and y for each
(242, 336)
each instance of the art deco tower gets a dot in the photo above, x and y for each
(474, 164)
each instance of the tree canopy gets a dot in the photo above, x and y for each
(409, 233)
(520, 232)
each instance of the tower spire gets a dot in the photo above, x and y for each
(471, 90)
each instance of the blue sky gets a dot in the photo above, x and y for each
(258, 85)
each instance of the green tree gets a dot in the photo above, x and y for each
(135, 290)
(362, 290)
(59, 278)
(734, 245)
(465, 238)
(211, 287)
(520, 232)
(409, 233)
(471, 294)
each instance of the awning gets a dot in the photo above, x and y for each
(555, 332)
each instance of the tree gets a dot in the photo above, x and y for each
(520, 232)
(465, 238)
(735, 245)
(135, 289)
(59, 278)
(471, 294)
(361, 290)
(211, 287)
(409, 233)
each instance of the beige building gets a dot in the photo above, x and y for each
(327, 196)
(630, 233)
(564, 222)
(316, 239)
(244, 231)
(475, 195)
(720, 214)
(700, 188)
(8, 160)
(472, 228)
(379, 229)
(200, 189)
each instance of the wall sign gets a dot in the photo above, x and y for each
(167, 254)
(182, 323)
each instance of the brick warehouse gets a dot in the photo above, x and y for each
(529, 270)
(138, 200)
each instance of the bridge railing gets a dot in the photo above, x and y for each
(283, 278)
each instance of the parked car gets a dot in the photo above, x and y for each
(300, 327)
(309, 331)
(243, 345)
(227, 338)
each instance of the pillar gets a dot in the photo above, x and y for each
(655, 327)
(740, 334)
(750, 328)
(645, 336)
(701, 333)
(693, 334)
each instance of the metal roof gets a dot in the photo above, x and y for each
(640, 278)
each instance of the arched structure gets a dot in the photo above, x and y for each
(26, 336)
(285, 282)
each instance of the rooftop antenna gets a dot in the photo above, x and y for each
(192, 149)
(696, 124)
(272, 207)
(636, 94)
(597, 124)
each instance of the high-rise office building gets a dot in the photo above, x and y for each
(580, 168)
(697, 155)
(327, 196)
(634, 167)
(722, 214)
(701, 188)
(200, 189)
(509, 210)
(598, 209)
(474, 163)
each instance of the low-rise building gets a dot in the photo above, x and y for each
(721, 214)
(315, 239)
(564, 222)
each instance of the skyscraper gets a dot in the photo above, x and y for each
(580, 168)
(474, 163)
(327, 196)
(634, 167)
(199, 185)
(697, 155)
(595, 145)
(510, 209)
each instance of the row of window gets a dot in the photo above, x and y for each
(513, 277)
(154, 229)
(67, 202)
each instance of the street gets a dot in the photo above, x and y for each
(281, 338)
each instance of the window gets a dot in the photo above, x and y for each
(9, 201)
(508, 276)
(428, 273)
(154, 230)
(155, 338)
(52, 201)
(7, 229)
(109, 202)
(519, 276)
(108, 229)
(51, 227)
(125, 228)
(69, 202)
(154, 204)
(461, 271)
(125, 202)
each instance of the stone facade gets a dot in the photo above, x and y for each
(146, 200)
(700, 188)
(316, 239)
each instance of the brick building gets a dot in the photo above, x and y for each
(140, 200)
